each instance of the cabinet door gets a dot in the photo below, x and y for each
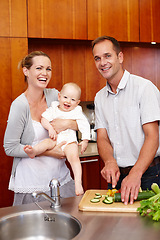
(57, 19)
(13, 18)
(149, 20)
(103, 182)
(118, 18)
(12, 84)
(90, 173)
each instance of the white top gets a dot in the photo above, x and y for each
(69, 135)
(36, 174)
(136, 102)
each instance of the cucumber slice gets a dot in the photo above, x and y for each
(108, 200)
(98, 196)
(94, 200)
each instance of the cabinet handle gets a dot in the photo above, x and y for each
(88, 161)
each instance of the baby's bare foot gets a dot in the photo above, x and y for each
(30, 151)
(79, 189)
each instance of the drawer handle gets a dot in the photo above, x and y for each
(88, 161)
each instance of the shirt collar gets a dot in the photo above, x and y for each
(121, 85)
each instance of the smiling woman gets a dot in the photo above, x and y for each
(24, 128)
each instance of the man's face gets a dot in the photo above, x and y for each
(107, 62)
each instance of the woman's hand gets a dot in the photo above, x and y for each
(62, 124)
(56, 152)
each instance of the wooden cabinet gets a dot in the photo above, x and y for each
(149, 20)
(72, 62)
(90, 173)
(57, 19)
(118, 18)
(12, 84)
(13, 18)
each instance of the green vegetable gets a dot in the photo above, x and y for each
(95, 200)
(141, 195)
(98, 196)
(155, 188)
(108, 200)
(151, 206)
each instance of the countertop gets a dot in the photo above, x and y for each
(90, 151)
(100, 225)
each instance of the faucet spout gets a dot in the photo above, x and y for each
(36, 194)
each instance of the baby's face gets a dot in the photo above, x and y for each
(68, 99)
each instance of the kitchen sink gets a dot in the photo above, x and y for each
(31, 225)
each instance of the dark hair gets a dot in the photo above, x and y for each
(27, 61)
(116, 45)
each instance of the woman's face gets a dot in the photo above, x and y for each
(39, 73)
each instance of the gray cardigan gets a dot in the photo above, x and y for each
(19, 130)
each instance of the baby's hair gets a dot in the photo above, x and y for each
(72, 84)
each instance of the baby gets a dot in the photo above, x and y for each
(65, 108)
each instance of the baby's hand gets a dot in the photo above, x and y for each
(83, 145)
(52, 134)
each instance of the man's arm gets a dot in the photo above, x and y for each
(110, 172)
(131, 184)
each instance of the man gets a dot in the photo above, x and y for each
(127, 122)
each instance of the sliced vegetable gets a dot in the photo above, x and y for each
(95, 200)
(141, 195)
(108, 200)
(111, 192)
(98, 196)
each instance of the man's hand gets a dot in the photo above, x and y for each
(111, 172)
(130, 187)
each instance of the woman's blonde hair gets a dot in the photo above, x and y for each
(27, 61)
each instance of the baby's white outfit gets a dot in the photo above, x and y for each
(68, 135)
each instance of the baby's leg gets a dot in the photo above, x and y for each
(39, 148)
(71, 151)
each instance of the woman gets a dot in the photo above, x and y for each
(23, 127)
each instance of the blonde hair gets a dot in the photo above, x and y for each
(72, 84)
(27, 61)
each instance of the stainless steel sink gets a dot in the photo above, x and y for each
(31, 225)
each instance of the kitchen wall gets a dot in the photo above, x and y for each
(64, 30)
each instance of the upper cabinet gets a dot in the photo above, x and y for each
(126, 20)
(13, 18)
(65, 19)
(117, 18)
(149, 20)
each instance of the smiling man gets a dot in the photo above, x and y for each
(127, 121)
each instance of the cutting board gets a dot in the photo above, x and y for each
(86, 205)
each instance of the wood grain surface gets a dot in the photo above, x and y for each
(86, 205)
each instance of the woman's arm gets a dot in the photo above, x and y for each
(56, 152)
(63, 124)
(17, 134)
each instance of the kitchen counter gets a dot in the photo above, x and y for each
(90, 151)
(101, 226)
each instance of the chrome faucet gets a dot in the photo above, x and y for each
(55, 194)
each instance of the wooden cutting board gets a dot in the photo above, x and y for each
(86, 205)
